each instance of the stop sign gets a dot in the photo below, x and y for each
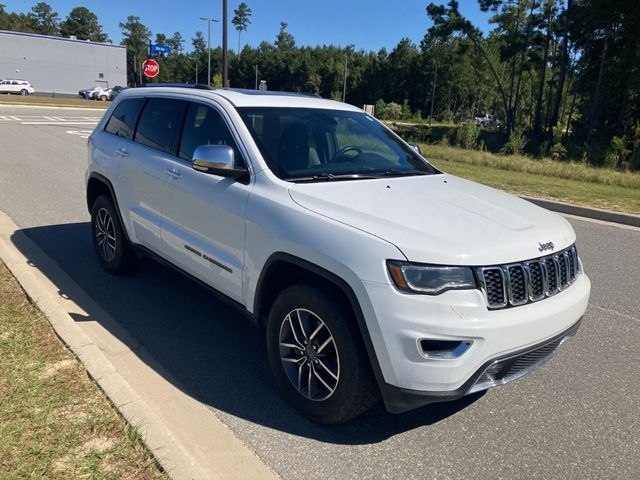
(151, 68)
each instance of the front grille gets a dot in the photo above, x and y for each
(503, 371)
(524, 282)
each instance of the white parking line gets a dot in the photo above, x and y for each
(58, 123)
(79, 133)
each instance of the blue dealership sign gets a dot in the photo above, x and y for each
(155, 49)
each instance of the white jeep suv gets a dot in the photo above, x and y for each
(370, 272)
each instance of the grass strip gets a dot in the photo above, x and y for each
(55, 422)
(543, 167)
(52, 101)
(608, 197)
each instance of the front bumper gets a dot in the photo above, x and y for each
(497, 371)
(397, 322)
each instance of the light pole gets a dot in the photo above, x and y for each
(344, 88)
(209, 20)
(225, 58)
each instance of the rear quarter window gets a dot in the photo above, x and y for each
(123, 119)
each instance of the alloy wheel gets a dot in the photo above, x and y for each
(105, 234)
(309, 355)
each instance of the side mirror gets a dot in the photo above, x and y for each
(217, 160)
(416, 148)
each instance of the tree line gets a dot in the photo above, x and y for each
(563, 76)
(44, 20)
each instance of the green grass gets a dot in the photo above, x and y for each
(545, 167)
(52, 101)
(55, 422)
(565, 182)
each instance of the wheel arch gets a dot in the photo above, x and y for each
(282, 270)
(100, 185)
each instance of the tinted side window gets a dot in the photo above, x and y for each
(159, 123)
(123, 119)
(205, 126)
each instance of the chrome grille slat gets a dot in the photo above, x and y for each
(520, 283)
(535, 279)
(563, 270)
(571, 263)
(551, 267)
(492, 282)
(516, 285)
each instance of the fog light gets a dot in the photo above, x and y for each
(443, 349)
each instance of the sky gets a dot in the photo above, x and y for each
(367, 24)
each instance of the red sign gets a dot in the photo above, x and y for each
(151, 68)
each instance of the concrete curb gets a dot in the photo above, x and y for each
(56, 107)
(184, 435)
(588, 212)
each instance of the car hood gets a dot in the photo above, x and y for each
(439, 219)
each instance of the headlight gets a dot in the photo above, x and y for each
(430, 279)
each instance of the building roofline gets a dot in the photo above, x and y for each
(62, 39)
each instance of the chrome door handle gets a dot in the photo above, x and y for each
(173, 173)
(122, 151)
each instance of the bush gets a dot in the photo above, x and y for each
(618, 154)
(392, 111)
(406, 110)
(380, 109)
(467, 135)
(516, 144)
(558, 152)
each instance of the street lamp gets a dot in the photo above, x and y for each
(225, 58)
(209, 20)
(344, 88)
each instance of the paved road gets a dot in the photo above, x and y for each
(578, 417)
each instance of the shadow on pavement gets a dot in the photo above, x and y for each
(206, 347)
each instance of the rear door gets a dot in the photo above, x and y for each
(149, 166)
(203, 215)
(145, 132)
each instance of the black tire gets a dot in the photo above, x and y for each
(354, 387)
(24, 92)
(110, 243)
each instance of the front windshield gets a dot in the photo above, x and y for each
(311, 144)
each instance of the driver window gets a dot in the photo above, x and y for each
(353, 137)
(205, 126)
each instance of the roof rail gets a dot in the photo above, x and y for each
(198, 86)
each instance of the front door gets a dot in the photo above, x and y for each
(203, 225)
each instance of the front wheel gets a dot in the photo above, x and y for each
(110, 243)
(317, 357)
(24, 92)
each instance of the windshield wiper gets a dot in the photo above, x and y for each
(402, 173)
(329, 177)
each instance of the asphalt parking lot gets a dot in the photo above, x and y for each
(578, 417)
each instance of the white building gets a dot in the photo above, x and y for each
(61, 65)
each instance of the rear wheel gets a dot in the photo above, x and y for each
(317, 357)
(110, 243)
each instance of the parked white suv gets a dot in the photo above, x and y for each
(371, 272)
(15, 86)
